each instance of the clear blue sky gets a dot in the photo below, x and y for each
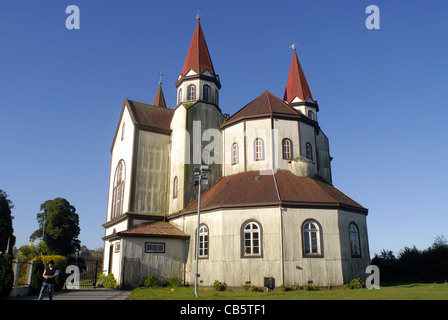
(381, 93)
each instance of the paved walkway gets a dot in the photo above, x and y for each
(96, 294)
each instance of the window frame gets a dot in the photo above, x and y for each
(354, 253)
(284, 153)
(162, 244)
(179, 98)
(257, 151)
(206, 88)
(311, 114)
(309, 242)
(175, 186)
(251, 239)
(118, 190)
(191, 92)
(309, 151)
(204, 245)
(234, 153)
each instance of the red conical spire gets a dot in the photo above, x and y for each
(198, 57)
(297, 85)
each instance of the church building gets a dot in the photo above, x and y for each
(270, 208)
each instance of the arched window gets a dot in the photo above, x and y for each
(354, 240)
(311, 238)
(251, 239)
(206, 157)
(175, 188)
(235, 153)
(191, 92)
(259, 149)
(118, 190)
(216, 97)
(179, 100)
(309, 151)
(206, 93)
(203, 241)
(287, 149)
(311, 114)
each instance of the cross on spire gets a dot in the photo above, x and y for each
(160, 75)
(198, 16)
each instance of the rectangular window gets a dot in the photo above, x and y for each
(154, 247)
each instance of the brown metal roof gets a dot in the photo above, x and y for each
(151, 117)
(250, 189)
(155, 229)
(266, 105)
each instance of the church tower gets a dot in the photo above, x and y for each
(297, 92)
(196, 138)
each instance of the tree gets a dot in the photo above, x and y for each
(59, 227)
(6, 229)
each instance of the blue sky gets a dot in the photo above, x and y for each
(381, 93)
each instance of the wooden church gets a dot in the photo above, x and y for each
(269, 210)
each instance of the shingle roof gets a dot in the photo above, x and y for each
(155, 229)
(265, 105)
(151, 117)
(250, 189)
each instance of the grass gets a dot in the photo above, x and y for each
(416, 291)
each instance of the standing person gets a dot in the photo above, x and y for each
(49, 275)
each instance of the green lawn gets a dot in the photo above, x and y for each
(434, 291)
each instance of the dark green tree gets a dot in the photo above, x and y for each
(6, 229)
(59, 227)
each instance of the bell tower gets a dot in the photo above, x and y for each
(198, 80)
(197, 115)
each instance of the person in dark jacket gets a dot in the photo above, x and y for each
(49, 275)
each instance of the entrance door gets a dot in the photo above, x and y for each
(131, 273)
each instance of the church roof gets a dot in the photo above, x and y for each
(297, 86)
(250, 189)
(198, 58)
(155, 229)
(265, 105)
(155, 118)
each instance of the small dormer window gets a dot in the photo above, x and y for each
(191, 92)
(311, 115)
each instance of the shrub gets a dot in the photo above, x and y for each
(174, 282)
(150, 281)
(219, 286)
(6, 275)
(246, 287)
(255, 289)
(355, 284)
(110, 282)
